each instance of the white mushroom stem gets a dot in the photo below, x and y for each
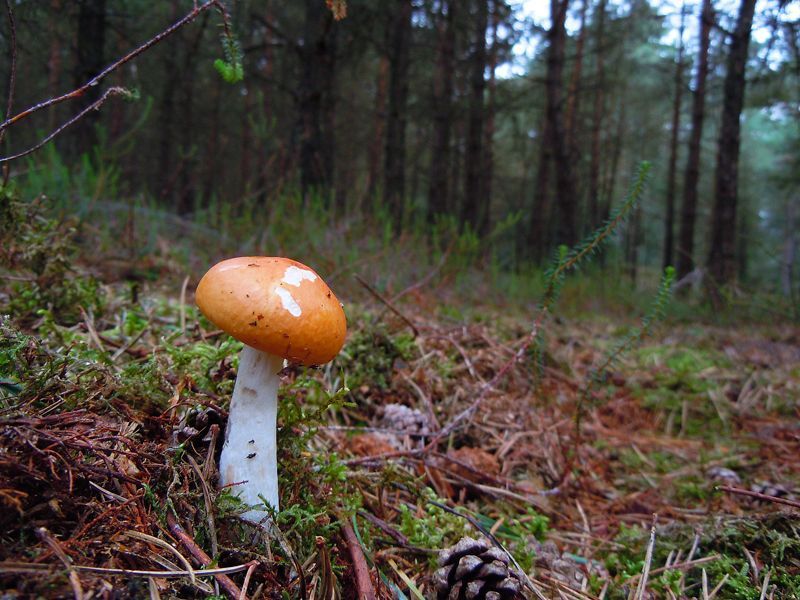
(249, 456)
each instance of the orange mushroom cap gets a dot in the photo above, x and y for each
(276, 305)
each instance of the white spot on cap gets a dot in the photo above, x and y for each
(289, 303)
(295, 276)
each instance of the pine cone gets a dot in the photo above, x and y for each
(475, 570)
(408, 420)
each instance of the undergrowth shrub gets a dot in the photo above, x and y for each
(42, 252)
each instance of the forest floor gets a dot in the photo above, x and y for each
(677, 474)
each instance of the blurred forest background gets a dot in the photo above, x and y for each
(433, 161)
(495, 129)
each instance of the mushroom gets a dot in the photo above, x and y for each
(280, 309)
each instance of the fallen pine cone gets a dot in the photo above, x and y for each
(475, 570)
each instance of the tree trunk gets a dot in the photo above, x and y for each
(166, 118)
(54, 61)
(378, 130)
(722, 255)
(689, 207)
(597, 118)
(315, 93)
(188, 170)
(609, 187)
(473, 211)
(540, 215)
(488, 131)
(669, 219)
(554, 149)
(573, 96)
(438, 192)
(90, 61)
(789, 253)
(566, 210)
(394, 172)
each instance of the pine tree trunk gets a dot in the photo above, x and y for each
(566, 210)
(540, 215)
(442, 113)
(166, 118)
(489, 129)
(722, 255)
(669, 218)
(394, 172)
(315, 91)
(54, 61)
(378, 130)
(90, 61)
(597, 118)
(573, 94)
(553, 149)
(689, 208)
(188, 170)
(472, 213)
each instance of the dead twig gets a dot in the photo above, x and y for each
(22, 567)
(114, 91)
(648, 559)
(74, 580)
(94, 81)
(388, 304)
(759, 495)
(360, 568)
(226, 583)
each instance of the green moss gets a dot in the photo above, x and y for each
(774, 539)
(368, 357)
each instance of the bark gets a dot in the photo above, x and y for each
(54, 61)
(722, 255)
(597, 118)
(573, 97)
(789, 252)
(791, 240)
(473, 211)
(378, 131)
(566, 210)
(669, 218)
(633, 240)
(554, 149)
(540, 215)
(264, 146)
(438, 190)
(315, 95)
(186, 174)
(689, 208)
(394, 173)
(90, 61)
(609, 187)
(489, 129)
(166, 118)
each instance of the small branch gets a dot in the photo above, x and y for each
(760, 496)
(114, 91)
(648, 560)
(226, 583)
(74, 581)
(78, 92)
(23, 567)
(363, 580)
(388, 303)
